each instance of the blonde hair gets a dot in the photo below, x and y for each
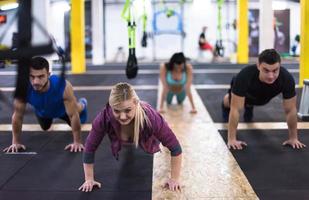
(124, 91)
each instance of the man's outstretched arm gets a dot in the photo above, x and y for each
(17, 121)
(71, 107)
(236, 105)
(289, 106)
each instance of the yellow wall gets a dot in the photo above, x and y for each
(304, 42)
(242, 32)
(78, 36)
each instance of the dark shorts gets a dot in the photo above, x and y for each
(230, 89)
(45, 123)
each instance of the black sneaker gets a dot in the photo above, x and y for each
(248, 114)
(225, 112)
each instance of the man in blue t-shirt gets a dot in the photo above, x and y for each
(51, 97)
(257, 85)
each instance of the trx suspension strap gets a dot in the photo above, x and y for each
(132, 67)
(144, 18)
(57, 49)
(219, 46)
(23, 51)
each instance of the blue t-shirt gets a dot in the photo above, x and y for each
(48, 104)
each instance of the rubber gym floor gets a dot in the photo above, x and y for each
(46, 170)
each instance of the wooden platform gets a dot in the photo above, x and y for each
(209, 170)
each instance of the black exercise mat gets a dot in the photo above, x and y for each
(96, 101)
(198, 65)
(11, 164)
(58, 172)
(271, 112)
(213, 78)
(95, 79)
(141, 79)
(273, 170)
(155, 65)
(111, 79)
(74, 195)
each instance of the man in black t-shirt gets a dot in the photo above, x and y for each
(257, 85)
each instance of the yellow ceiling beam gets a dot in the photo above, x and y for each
(5, 2)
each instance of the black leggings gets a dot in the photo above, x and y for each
(45, 123)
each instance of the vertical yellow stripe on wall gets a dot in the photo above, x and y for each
(242, 32)
(5, 2)
(78, 36)
(304, 42)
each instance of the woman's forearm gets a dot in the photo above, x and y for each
(176, 166)
(89, 171)
(191, 100)
(189, 94)
(163, 97)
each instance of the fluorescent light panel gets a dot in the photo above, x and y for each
(9, 6)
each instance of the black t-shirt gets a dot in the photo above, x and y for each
(247, 84)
